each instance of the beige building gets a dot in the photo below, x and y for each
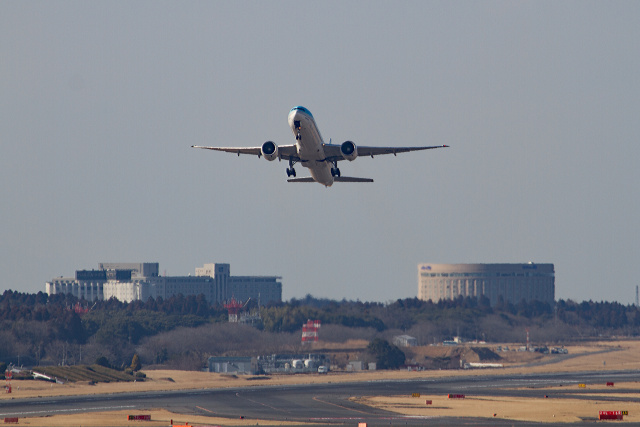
(514, 282)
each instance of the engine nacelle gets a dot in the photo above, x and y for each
(349, 150)
(269, 150)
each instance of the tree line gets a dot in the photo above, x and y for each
(182, 331)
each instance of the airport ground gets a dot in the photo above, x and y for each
(546, 389)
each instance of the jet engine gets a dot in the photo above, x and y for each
(349, 150)
(269, 150)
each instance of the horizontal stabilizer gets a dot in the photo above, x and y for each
(351, 179)
(335, 179)
(305, 179)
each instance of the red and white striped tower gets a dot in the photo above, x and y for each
(233, 306)
(8, 375)
(310, 330)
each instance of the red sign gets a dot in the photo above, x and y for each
(139, 418)
(11, 420)
(456, 396)
(611, 415)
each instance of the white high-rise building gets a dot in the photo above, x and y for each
(140, 281)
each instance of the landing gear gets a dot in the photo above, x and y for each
(296, 124)
(290, 170)
(334, 170)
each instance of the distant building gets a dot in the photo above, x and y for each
(512, 282)
(262, 289)
(140, 281)
(271, 364)
(233, 365)
(355, 365)
(140, 269)
(405, 341)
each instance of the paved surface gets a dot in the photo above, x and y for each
(323, 403)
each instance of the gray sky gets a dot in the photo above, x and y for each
(100, 102)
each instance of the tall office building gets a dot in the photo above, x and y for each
(514, 282)
(262, 289)
(140, 281)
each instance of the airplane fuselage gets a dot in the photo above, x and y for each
(310, 145)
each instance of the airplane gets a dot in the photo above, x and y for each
(312, 152)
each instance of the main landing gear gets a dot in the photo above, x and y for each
(334, 170)
(290, 170)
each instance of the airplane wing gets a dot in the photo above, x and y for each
(332, 151)
(286, 152)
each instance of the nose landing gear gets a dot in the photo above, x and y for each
(296, 124)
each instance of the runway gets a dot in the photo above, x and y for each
(326, 404)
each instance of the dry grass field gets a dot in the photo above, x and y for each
(622, 355)
(540, 409)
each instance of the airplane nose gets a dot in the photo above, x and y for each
(293, 117)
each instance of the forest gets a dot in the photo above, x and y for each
(183, 331)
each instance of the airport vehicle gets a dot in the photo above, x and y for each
(312, 152)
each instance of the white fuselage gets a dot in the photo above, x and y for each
(309, 144)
